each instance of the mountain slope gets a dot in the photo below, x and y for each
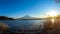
(26, 17)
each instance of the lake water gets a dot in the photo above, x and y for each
(26, 24)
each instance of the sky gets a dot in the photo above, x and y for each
(34, 8)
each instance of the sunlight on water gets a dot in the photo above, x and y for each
(52, 20)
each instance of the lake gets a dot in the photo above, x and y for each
(26, 24)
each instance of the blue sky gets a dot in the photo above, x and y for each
(34, 8)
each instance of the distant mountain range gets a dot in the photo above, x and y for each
(5, 18)
(27, 17)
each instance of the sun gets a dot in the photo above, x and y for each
(52, 13)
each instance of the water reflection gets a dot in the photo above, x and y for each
(52, 20)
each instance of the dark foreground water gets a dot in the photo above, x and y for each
(24, 24)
